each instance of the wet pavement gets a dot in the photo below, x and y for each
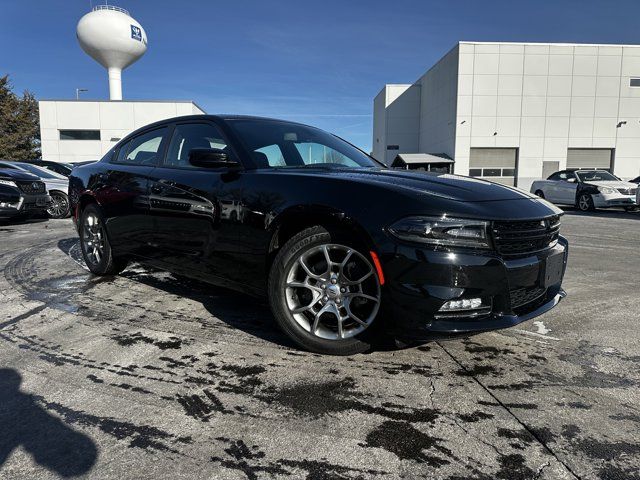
(147, 375)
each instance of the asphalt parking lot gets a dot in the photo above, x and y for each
(150, 376)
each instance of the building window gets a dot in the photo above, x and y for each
(79, 134)
(634, 82)
(393, 147)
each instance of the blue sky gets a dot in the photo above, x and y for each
(317, 62)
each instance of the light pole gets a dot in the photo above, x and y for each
(78, 90)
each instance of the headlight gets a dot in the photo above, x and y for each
(9, 183)
(606, 190)
(443, 231)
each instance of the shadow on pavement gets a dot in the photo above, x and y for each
(52, 444)
(238, 310)
(601, 213)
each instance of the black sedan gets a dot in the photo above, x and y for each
(344, 248)
(21, 194)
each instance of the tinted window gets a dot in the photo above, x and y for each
(189, 136)
(475, 172)
(595, 176)
(560, 176)
(79, 134)
(143, 149)
(300, 146)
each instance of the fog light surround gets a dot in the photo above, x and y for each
(464, 304)
(465, 307)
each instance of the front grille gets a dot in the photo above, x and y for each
(528, 236)
(32, 187)
(523, 296)
(627, 191)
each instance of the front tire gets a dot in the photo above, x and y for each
(95, 246)
(59, 205)
(325, 293)
(539, 193)
(585, 202)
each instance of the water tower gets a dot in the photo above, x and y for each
(114, 39)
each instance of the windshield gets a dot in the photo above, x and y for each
(274, 144)
(596, 176)
(40, 171)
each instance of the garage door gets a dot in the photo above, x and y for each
(494, 164)
(590, 158)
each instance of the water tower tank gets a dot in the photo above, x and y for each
(114, 39)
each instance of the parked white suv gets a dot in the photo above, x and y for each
(587, 189)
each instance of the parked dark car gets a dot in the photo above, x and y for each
(635, 180)
(57, 186)
(21, 194)
(328, 234)
(58, 167)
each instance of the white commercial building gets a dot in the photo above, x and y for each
(515, 112)
(79, 130)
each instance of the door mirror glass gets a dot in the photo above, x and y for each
(571, 180)
(211, 158)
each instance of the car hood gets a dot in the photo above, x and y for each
(12, 174)
(613, 184)
(447, 186)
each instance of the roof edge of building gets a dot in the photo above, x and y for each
(89, 100)
(566, 44)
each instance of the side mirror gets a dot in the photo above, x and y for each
(211, 158)
(571, 180)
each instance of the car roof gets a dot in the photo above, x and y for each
(216, 118)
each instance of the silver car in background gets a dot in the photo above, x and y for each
(57, 185)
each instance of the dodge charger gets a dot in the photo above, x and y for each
(345, 249)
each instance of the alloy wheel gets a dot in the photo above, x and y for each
(93, 238)
(583, 202)
(332, 291)
(59, 206)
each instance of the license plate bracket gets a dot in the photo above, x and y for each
(553, 267)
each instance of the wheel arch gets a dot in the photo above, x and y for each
(296, 219)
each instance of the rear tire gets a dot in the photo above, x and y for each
(585, 202)
(325, 293)
(540, 193)
(95, 246)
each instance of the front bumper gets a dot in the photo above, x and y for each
(613, 200)
(23, 203)
(420, 281)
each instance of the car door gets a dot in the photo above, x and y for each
(566, 188)
(196, 212)
(122, 191)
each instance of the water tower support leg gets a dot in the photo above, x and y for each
(115, 84)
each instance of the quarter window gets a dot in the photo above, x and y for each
(143, 149)
(186, 137)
